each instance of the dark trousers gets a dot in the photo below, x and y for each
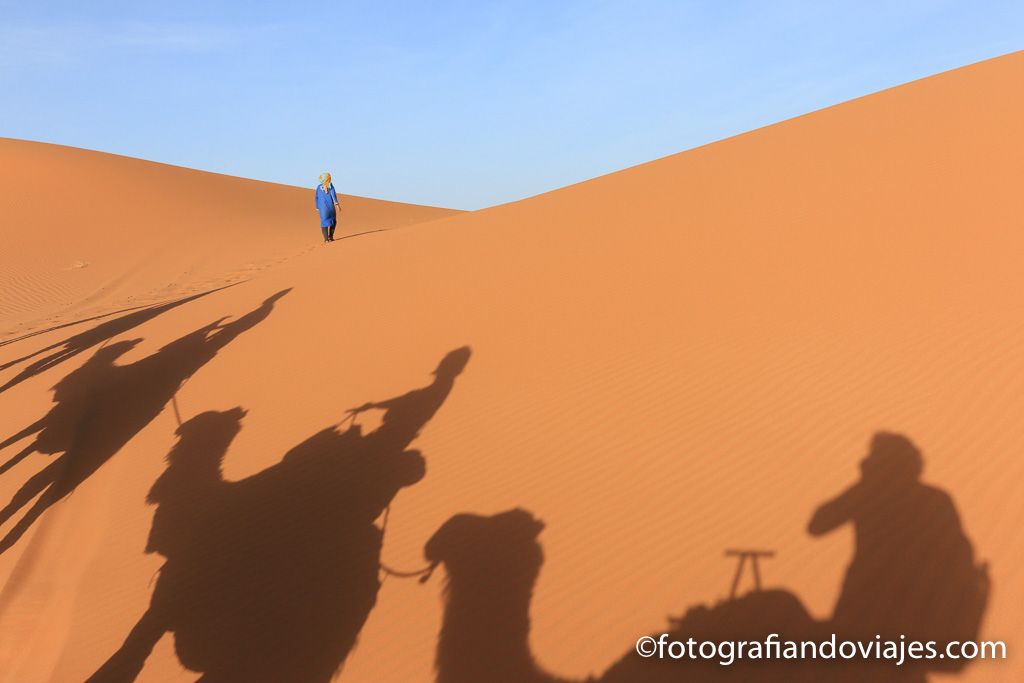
(328, 230)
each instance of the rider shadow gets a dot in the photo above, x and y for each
(271, 578)
(913, 574)
(101, 406)
(913, 571)
(83, 341)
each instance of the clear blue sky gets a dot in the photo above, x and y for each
(462, 104)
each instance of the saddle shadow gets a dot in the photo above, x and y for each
(101, 406)
(271, 578)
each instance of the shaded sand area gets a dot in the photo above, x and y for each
(661, 364)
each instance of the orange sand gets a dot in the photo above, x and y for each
(681, 357)
(86, 233)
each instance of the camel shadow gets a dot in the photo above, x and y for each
(913, 574)
(83, 341)
(271, 578)
(101, 406)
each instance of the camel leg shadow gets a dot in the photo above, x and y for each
(125, 665)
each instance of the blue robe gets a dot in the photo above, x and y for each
(325, 202)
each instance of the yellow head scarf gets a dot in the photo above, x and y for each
(325, 180)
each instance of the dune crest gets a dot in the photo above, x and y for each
(86, 232)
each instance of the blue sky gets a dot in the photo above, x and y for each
(463, 104)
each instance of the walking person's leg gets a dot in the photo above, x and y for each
(324, 229)
(334, 224)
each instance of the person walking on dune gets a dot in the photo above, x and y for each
(327, 205)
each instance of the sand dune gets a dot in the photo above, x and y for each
(86, 231)
(685, 356)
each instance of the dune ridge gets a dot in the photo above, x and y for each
(87, 231)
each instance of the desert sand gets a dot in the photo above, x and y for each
(87, 232)
(682, 357)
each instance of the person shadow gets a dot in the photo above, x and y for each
(83, 341)
(913, 571)
(101, 406)
(912, 574)
(270, 578)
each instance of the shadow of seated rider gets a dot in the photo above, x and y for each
(913, 570)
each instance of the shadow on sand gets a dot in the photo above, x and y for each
(83, 341)
(913, 573)
(269, 579)
(101, 406)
